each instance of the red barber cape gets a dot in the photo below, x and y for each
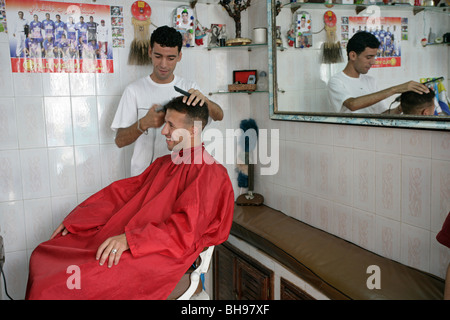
(169, 214)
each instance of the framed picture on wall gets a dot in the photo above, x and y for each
(184, 22)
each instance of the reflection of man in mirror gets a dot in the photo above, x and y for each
(352, 90)
(417, 104)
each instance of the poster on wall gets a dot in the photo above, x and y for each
(55, 37)
(117, 27)
(3, 27)
(388, 32)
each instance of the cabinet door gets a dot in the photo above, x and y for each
(289, 291)
(250, 282)
(240, 277)
(223, 274)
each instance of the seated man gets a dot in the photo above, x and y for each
(412, 103)
(137, 237)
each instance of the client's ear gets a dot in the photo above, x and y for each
(197, 128)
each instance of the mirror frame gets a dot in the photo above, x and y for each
(397, 121)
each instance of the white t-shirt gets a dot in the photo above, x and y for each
(342, 87)
(136, 100)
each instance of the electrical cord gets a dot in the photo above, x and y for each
(4, 281)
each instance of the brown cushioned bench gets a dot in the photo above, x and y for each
(332, 265)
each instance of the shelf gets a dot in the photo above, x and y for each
(248, 46)
(361, 7)
(196, 1)
(234, 92)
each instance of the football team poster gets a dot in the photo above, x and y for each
(53, 37)
(388, 32)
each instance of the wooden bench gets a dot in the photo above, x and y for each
(332, 265)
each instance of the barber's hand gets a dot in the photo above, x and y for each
(195, 98)
(61, 229)
(413, 86)
(153, 118)
(112, 249)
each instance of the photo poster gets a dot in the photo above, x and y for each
(3, 26)
(388, 32)
(58, 37)
(185, 24)
(118, 30)
(303, 35)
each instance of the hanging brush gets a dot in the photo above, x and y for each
(332, 51)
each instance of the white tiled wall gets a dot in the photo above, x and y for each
(56, 145)
(389, 194)
(56, 149)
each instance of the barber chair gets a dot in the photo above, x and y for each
(190, 287)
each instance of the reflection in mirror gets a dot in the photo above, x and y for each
(305, 57)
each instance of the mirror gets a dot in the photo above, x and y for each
(298, 78)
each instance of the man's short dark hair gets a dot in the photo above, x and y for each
(411, 101)
(194, 113)
(167, 36)
(360, 41)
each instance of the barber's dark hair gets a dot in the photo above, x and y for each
(360, 41)
(166, 36)
(194, 113)
(412, 101)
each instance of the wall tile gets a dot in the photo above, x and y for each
(440, 145)
(416, 143)
(62, 171)
(364, 180)
(87, 159)
(30, 114)
(342, 221)
(10, 176)
(387, 238)
(38, 221)
(440, 193)
(8, 126)
(56, 84)
(363, 229)
(416, 186)
(342, 162)
(415, 247)
(388, 186)
(58, 117)
(28, 84)
(85, 120)
(12, 226)
(35, 173)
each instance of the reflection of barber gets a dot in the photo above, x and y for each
(351, 90)
(21, 32)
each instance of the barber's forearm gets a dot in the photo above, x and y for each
(126, 136)
(368, 100)
(215, 111)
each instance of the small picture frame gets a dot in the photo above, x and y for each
(184, 22)
(244, 76)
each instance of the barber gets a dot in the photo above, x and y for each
(138, 118)
(352, 90)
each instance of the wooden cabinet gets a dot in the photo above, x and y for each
(289, 291)
(240, 277)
